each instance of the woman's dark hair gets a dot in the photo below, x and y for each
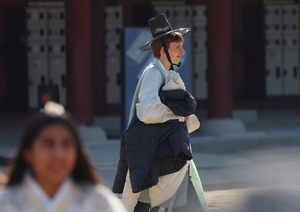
(83, 171)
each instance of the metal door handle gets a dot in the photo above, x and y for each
(277, 72)
(119, 78)
(295, 72)
(63, 81)
(196, 75)
(42, 80)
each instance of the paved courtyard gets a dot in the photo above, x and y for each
(268, 199)
(264, 179)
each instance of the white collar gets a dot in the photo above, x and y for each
(161, 66)
(49, 204)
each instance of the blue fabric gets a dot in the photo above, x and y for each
(138, 87)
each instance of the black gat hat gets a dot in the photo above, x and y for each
(160, 27)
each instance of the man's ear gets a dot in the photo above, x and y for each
(162, 50)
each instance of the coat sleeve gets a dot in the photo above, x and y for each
(150, 109)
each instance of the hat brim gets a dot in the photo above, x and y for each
(182, 31)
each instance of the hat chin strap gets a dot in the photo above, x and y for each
(168, 55)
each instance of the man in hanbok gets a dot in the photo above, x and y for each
(156, 171)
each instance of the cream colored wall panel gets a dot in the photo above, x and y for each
(113, 34)
(200, 29)
(273, 28)
(46, 50)
(167, 10)
(37, 49)
(290, 26)
(114, 16)
(113, 45)
(200, 71)
(36, 15)
(56, 32)
(37, 75)
(182, 24)
(290, 42)
(199, 13)
(57, 48)
(273, 12)
(56, 16)
(113, 68)
(57, 75)
(282, 49)
(274, 42)
(274, 73)
(291, 72)
(200, 43)
(37, 33)
(290, 12)
(182, 15)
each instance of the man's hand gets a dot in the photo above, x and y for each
(186, 119)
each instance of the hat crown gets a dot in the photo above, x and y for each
(159, 25)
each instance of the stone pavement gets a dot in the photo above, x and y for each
(230, 166)
(256, 199)
(267, 154)
(268, 167)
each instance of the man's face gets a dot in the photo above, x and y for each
(176, 51)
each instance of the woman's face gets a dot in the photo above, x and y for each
(53, 154)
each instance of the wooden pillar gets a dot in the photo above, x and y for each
(79, 81)
(219, 59)
(98, 57)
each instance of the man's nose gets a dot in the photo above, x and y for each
(182, 51)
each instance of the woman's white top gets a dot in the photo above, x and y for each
(70, 197)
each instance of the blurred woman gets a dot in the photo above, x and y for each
(51, 171)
